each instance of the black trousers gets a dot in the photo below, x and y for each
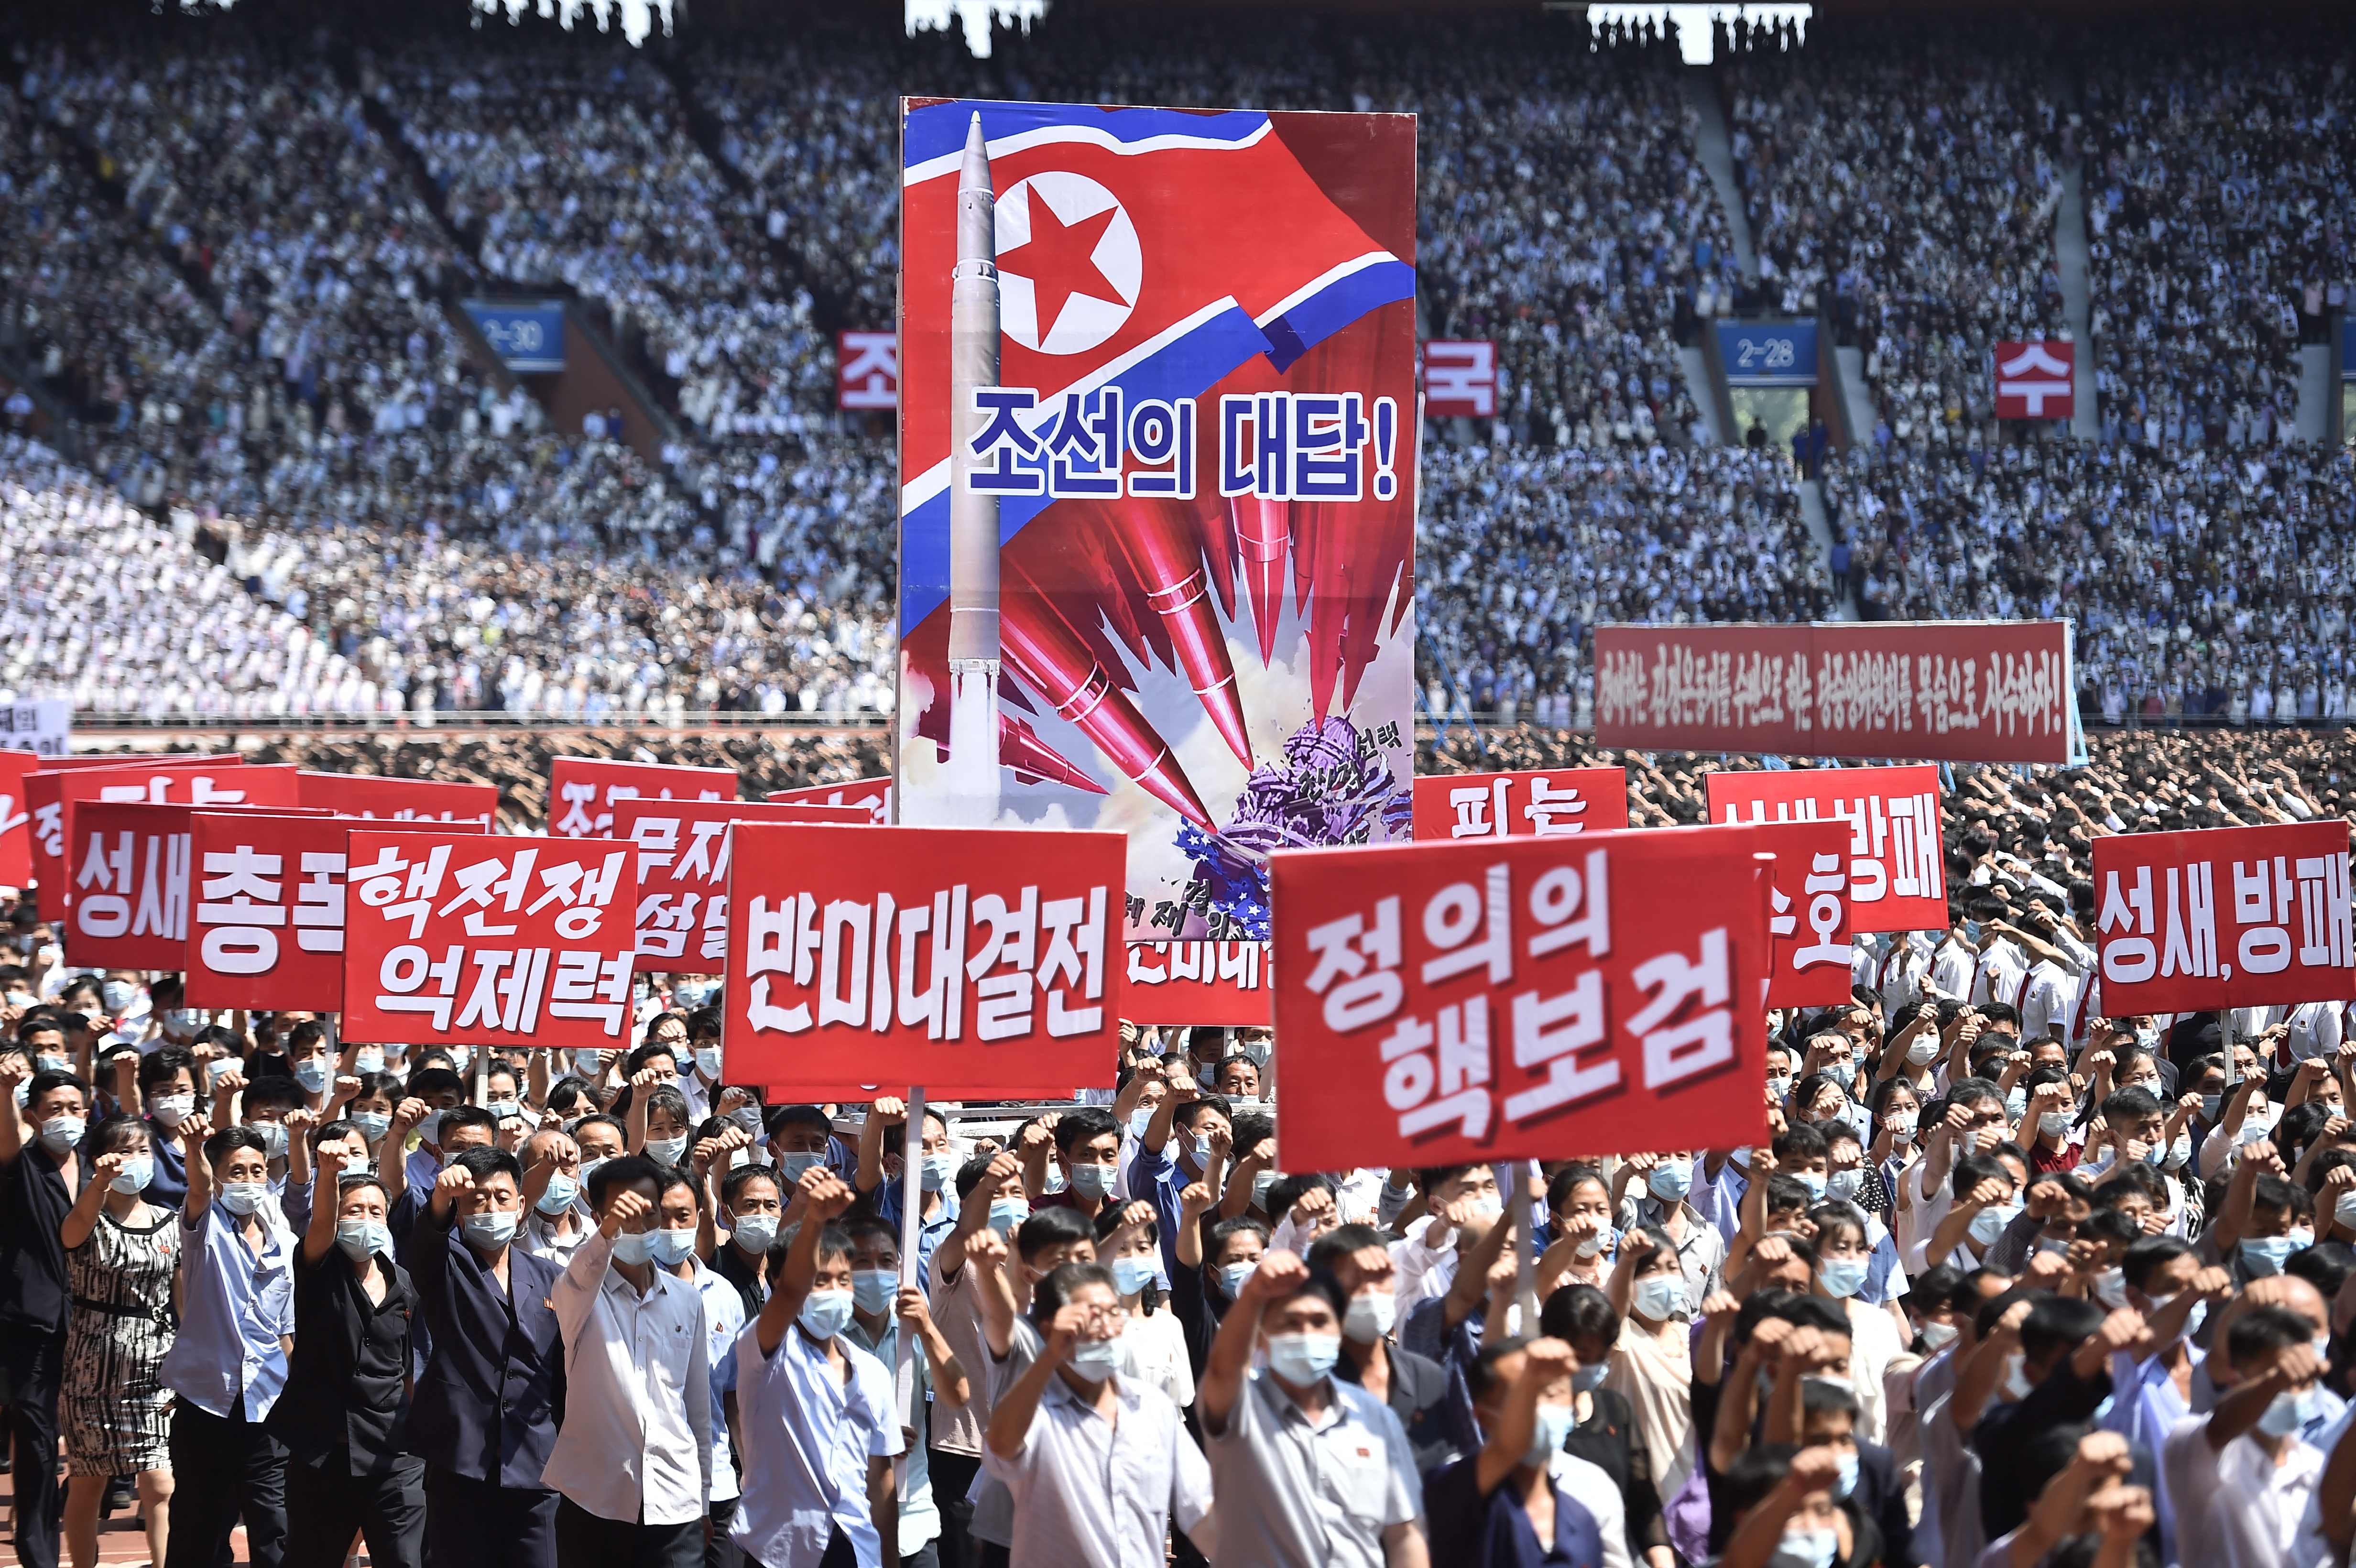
(327, 1503)
(224, 1468)
(586, 1541)
(719, 1552)
(952, 1478)
(477, 1524)
(33, 1363)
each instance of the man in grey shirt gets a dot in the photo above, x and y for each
(1310, 1471)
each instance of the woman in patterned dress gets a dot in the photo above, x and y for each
(120, 1253)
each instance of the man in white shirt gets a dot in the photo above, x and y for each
(1456, 1197)
(633, 1458)
(1098, 1463)
(816, 1411)
(2240, 1477)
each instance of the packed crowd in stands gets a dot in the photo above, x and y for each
(2219, 210)
(1914, 199)
(233, 260)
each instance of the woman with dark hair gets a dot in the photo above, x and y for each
(1128, 1245)
(1603, 1427)
(1651, 1360)
(121, 1252)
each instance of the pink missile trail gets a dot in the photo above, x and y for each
(1165, 550)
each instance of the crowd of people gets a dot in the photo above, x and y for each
(234, 256)
(2220, 219)
(1909, 195)
(2006, 1280)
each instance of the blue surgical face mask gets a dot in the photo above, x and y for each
(373, 1124)
(941, 1169)
(633, 1246)
(244, 1197)
(754, 1232)
(1007, 1213)
(313, 1074)
(872, 1288)
(1553, 1428)
(2266, 1255)
(363, 1239)
(2288, 1413)
(491, 1230)
(1846, 1484)
(667, 1150)
(1262, 1185)
(1092, 1182)
(1842, 1277)
(1806, 1548)
(429, 1127)
(1588, 1379)
(1232, 1276)
(1671, 1182)
(273, 1138)
(1991, 1221)
(561, 1192)
(1095, 1359)
(368, 1058)
(792, 1166)
(1814, 1181)
(502, 1110)
(1139, 1120)
(707, 1060)
(60, 1134)
(1302, 1358)
(137, 1171)
(1130, 1275)
(826, 1313)
(672, 1248)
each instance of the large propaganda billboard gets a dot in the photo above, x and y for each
(1512, 998)
(2224, 917)
(1158, 449)
(1957, 692)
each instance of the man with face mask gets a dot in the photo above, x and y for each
(1415, 1387)
(2240, 1477)
(1086, 1145)
(1098, 1463)
(884, 1135)
(487, 1409)
(1520, 1488)
(2061, 1377)
(815, 1409)
(1272, 1433)
(38, 1185)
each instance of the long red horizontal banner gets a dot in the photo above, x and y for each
(1960, 691)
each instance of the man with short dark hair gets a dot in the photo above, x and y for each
(487, 1409)
(1272, 1433)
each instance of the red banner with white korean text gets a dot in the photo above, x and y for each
(2223, 917)
(876, 795)
(1198, 983)
(1807, 912)
(128, 865)
(683, 851)
(1548, 803)
(479, 939)
(1897, 869)
(984, 959)
(16, 821)
(44, 804)
(1963, 691)
(581, 790)
(374, 798)
(267, 925)
(1503, 999)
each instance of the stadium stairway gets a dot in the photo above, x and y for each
(2315, 392)
(1820, 530)
(2072, 258)
(1717, 150)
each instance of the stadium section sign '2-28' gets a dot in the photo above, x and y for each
(1960, 691)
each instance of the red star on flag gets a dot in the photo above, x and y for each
(1062, 251)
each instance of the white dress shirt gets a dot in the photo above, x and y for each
(2047, 999)
(1103, 1492)
(809, 1434)
(1998, 976)
(724, 1319)
(2235, 1506)
(635, 1445)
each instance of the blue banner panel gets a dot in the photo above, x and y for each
(1768, 352)
(527, 335)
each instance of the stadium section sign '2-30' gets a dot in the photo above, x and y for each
(1963, 691)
